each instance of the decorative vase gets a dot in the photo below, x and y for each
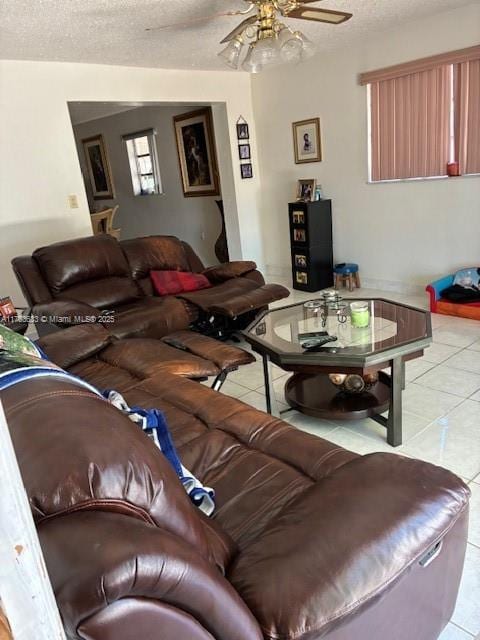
(353, 383)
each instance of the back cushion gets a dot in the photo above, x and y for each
(67, 263)
(155, 253)
(91, 270)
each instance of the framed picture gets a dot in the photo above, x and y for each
(196, 153)
(246, 170)
(300, 261)
(98, 167)
(306, 190)
(298, 217)
(244, 151)
(306, 141)
(7, 308)
(299, 235)
(242, 131)
(301, 277)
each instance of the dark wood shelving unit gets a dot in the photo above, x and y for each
(311, 244)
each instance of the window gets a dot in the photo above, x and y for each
(143, 160)
(424, 115)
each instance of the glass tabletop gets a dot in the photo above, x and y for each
(390, 325)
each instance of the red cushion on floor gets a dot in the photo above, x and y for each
(171, 282)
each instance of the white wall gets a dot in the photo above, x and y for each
(403, 233)
(196, 220)
(39, 166)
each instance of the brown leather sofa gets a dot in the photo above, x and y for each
(307, 541)
(73, 281)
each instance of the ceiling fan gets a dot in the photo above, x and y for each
(269, 40)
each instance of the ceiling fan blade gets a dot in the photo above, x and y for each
(319, 15)
(241, 27)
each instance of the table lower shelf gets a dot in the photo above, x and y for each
(316, 396)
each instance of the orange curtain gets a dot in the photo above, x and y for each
(410, 125)
(467, 123)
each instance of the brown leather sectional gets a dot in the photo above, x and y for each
(74, 281)
(307, 541)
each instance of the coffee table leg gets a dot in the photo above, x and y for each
(272, 407)
(394, 422)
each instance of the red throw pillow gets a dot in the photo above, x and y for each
(170, 282)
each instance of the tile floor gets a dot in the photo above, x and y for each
(441, 425)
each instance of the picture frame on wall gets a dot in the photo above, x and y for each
(306, 190)
(242, 131)
(197, 157)
(246, 170)
(307, 141)
(98, 168)
(244, 151)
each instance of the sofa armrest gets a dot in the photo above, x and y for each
(229, 270)
(74, 344)
(96, 558)
(370, 522)
(434, 290)
(65, 313)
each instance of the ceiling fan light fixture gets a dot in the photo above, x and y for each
(231, 54)
(267, 52)
(308, 48)
(290, 46)
(250, 63)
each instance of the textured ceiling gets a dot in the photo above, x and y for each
(113, 31)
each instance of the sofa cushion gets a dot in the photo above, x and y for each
(65, 264)
(154, 253)
(171, 282)
(150, 318)
(104, 293)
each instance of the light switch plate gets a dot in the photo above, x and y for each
(73, 201)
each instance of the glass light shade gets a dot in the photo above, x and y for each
(250, 63)
(290, 46)
(308, 48)
(266, 52)
(231, 54)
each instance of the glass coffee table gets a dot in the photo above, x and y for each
(344, 379)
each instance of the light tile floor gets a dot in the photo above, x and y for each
(441, 425)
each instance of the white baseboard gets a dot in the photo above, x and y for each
(283, 275)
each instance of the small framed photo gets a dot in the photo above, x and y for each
(242, 131)
(306, 141)
(98, 167)
(306, 190)
(7, 308)
(298, 217)
(246, 170)
(300, 261)
(299, 235)
(244, 151)
(301, 277)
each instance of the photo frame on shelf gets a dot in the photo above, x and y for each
(306, 190)
(299, 235)
(300, 261)
(244, 151)
(7, 308)
(197, 157)
(298, 217)
(301, 277)
(246, 170)
(98, 168)
(307, 144)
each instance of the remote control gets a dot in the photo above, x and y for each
(312, 334)
(315, 345)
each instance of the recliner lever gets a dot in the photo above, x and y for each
(431, 554)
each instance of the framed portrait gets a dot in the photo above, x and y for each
(98, 167)
(306, 141)
(7, 308)
(298, 217)
(300, 261)
(306, 190)
(246, 170)
(196, 153)
(244, 151)
(301, 277)
(242, 131)
(299, 235)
